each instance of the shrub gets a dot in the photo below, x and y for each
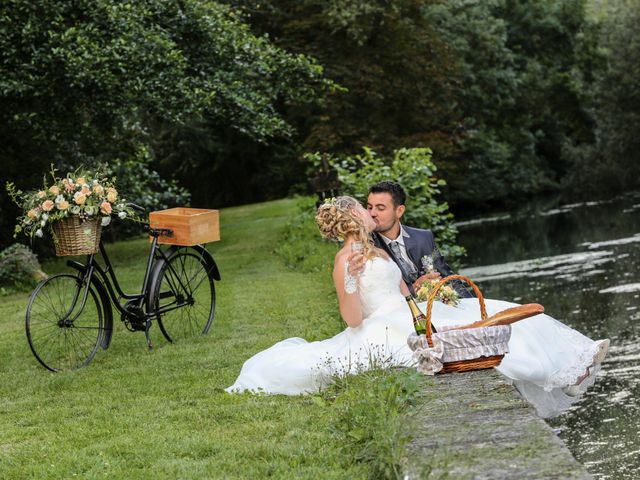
(19, 267)
(412, 168)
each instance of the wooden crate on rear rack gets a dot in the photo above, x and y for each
(191, 226)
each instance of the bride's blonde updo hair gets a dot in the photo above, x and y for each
(337, 221)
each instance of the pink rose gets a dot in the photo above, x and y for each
(85, 191)
(42, 194)
(105, 207)
(63, 205)
(47, 205)
(55, 190)
(68, 185)
(80, 199)
(33, 213)
(98, 189)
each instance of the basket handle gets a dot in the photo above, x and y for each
(434, 292)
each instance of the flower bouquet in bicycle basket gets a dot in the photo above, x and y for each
(74, 208)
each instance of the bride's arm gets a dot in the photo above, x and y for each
(404, 289)
(350, 308)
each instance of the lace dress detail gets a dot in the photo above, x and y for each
(586, 352)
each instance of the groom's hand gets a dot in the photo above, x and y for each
(424, 278)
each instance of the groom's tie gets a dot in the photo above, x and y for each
(409, 270)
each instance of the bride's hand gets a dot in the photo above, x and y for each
(355, 263)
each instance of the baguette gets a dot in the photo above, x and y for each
(510, 315)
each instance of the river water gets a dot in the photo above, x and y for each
(582, 262)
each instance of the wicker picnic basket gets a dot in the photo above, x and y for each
(454, 350)
(77, 236)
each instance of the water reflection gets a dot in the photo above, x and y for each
(581, 261)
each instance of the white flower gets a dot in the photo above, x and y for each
(75, 210)
(45, 217)
(59, 198)
(95, 182)
(88, 210)
(43, 223)
(122, 214)
(39, 233)
(106, 221)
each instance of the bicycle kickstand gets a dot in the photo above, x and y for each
(147, 328)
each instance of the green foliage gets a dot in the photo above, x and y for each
(19, 268)
(500, 90)
(100, 80)
(73, 71)
(612, 160)
(520, 84)
(414, 169)
(385, 54)
(144, 186)
(237, 170)
(369, 419)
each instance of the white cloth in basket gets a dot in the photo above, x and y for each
(457, 345)
(544, 355)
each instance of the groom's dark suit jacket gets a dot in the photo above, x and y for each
(418, 243)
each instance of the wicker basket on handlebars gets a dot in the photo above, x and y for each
(77, 236)
(460, 350)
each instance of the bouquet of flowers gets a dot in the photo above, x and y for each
(89, 196)
(446, 294)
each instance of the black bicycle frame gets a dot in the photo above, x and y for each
(110, 280)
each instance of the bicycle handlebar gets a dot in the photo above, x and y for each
(137, 207)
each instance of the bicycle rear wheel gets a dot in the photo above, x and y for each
(184, 295)
(62, 333)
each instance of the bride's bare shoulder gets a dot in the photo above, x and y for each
(341, 256)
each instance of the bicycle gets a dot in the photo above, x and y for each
(70, 317)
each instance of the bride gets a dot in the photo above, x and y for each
(548, 362)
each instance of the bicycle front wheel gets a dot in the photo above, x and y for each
(63, 333)
(184, 296)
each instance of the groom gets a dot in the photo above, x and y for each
(405, 245)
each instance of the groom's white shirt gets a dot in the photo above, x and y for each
(400, 240)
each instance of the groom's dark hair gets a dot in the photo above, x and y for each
(392, 188)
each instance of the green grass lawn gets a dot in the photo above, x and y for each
(163, 414)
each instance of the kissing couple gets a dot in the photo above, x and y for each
(378, 265)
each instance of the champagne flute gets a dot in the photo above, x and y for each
(359, 248)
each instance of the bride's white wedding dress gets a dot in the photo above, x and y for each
(545, 356)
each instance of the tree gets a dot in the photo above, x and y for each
(494, 88)
(96, 79)
(612, 160)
